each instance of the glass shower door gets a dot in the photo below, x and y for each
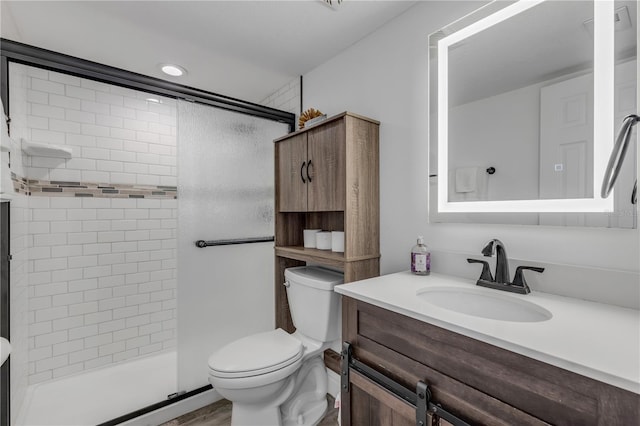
(226, 192)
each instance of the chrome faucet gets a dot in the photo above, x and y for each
(501, 281)
(502, 263)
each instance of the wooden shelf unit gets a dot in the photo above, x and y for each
(327, 177)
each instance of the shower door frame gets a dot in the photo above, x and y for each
(59, 62)
(5, 258)
(11, 51)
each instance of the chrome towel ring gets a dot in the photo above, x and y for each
(617, 157)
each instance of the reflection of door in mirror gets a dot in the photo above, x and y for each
(566, 144)
(566, 147)
(566, 139)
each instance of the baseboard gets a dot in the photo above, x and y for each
(333, 383)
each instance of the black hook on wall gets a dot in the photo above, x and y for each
(491, 170)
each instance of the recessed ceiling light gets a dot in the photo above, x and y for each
(173, 70)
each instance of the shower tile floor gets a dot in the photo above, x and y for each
(100, 395)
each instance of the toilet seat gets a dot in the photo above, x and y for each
(256, 355)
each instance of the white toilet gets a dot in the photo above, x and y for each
(277, 378)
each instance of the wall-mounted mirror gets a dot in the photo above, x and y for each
(525, 101)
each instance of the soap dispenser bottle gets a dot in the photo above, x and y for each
(420, 258)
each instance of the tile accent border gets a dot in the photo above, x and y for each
(20, 184)
(46, 188)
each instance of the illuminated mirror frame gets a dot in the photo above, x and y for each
(603, 126)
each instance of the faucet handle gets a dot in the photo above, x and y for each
(518, 279)
(486, 270)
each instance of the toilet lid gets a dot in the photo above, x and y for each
(256, 354)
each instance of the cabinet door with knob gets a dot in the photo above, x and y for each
(292, 173)
(311, 169)
(326, 167)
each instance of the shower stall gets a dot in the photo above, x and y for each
(112, 309)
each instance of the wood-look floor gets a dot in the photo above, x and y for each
(219, 414)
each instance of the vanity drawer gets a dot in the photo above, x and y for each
(488, 385)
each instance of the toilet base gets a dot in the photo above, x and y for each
(313, 415)
(255, 415)
(301, 400)
(259, 413)
(308, 404)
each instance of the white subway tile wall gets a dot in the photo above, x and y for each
(287, 98)
(117, 135)
(102, 276)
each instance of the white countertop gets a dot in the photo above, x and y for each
(592, 339)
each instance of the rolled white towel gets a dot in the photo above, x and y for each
(466, 179)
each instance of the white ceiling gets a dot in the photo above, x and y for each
(242, 49)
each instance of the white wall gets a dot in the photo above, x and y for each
(384, 76)
(8, 25)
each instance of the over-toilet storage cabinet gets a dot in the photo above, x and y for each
(327, 177)
(475, 381)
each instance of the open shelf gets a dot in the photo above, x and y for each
(326, 257)
(304, 251)
(319, 256)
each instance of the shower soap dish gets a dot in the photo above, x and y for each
(45, 150)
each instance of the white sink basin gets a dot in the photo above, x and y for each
(485, 303)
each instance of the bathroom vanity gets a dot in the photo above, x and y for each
(577, 363)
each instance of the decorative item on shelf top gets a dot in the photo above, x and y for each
(310, 116)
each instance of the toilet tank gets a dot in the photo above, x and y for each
(315, 307)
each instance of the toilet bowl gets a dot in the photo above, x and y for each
(277, 378)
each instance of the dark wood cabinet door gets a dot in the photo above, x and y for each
(291, 173)
(327, 169)
(371, 405)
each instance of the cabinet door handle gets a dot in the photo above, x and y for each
(518, 279)
(486, 270)
(301, 172)
(309, 168)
